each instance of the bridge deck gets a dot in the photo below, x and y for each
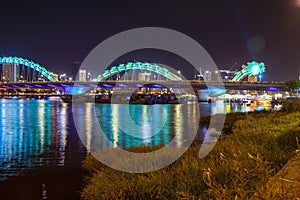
(196, 85)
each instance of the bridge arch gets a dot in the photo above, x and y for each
(152, 67)
(37, 67)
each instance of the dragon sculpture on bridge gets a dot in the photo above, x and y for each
(251, 69)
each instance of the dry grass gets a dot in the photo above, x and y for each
(238, 167)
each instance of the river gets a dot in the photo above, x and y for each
(39, 140)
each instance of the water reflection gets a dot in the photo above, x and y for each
(221, 107)
(33, 133)
(42, 132)
(178, 119)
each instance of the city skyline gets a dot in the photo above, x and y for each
(233, 32)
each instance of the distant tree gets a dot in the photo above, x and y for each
(292, 85)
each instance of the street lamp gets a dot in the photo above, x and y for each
(179, 72)
(260, 77)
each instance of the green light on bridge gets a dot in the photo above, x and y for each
(140, 66)
(37, 67)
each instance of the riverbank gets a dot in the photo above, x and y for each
(239, 166)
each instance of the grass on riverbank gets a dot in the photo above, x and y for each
(239, 166)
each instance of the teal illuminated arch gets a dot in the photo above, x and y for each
(141, 66)
(251, 69)
(37, 67)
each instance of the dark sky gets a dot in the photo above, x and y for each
(233, 32)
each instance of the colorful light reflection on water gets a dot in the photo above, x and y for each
(35, 133)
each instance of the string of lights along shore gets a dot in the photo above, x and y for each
(17, 69)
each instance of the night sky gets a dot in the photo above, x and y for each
(233, 32)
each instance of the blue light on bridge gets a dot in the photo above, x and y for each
(139, 85)
(106, 85)
(5, 86)
(65, 85)
(29, 86)
(78, 85)
(93, 85)
(158, 86)
(122, 85)
(273, 89)
(75, 90)
(40, 86)
(51, 85)
(16, 86)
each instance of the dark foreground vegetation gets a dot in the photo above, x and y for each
(238, 167)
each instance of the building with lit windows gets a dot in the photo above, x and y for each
(144, 76)
(10, 72)
(82, 75)
(207, 75)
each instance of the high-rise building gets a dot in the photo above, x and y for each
(144, 76)
(10, 72)
(74, 70)
(82, 75)
(88, 76)
(207, 76)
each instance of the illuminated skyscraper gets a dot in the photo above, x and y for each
(207, 76)
(82, 75)
(144, 76)
(10, 72)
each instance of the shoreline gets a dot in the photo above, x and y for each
(234, 168)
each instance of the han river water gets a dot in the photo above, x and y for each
(37, 134)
